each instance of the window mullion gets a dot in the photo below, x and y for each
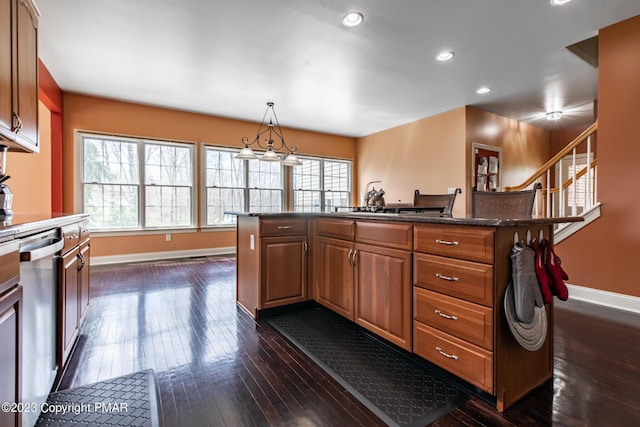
(142, 188)
(322, 186)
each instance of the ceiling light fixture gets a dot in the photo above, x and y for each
(559, 2)
(352, 19)
(483, 90)
(445, 56)
(554, 115)
(273, 151)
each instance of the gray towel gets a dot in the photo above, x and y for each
(526, 291)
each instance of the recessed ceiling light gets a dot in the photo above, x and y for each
(559, 2)
(445, 56)
(554, 115)
(352, 19)
(483, 90)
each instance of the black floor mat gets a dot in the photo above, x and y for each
(129, 400)
(399, 390)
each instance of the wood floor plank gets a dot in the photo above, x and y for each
(216, 366)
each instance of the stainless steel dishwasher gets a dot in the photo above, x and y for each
(39, 280)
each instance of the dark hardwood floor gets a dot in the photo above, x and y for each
(215, 366)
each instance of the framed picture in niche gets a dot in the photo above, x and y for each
(486, 162)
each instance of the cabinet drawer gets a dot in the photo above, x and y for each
(84, 230)
(394, 235)
(465, 320)
(469, 362)
(71, 236)
(471, 243)
(9, 264)
(471, 281)
(337, 228)
(274, 227)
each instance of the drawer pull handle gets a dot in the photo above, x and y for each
(447, 355)
(285, 227)
(447, 242)
(447, 278)
(446, 316)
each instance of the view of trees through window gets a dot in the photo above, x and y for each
(137, 184)
(239, 185)
(321, 185)
(121, 175)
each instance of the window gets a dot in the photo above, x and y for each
(136, 184)
(239, 185)
(224, 184)
(321, 185)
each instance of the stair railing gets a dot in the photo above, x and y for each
(556, 198)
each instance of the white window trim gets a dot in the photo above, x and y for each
(322, 189)
(78, 201)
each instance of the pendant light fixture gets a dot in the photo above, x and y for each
(273, 148)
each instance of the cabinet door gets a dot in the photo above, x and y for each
(10, 337)
(83, 280)
(383, 292)
(6, 99)
(335, 275)
(68, 312)
(284, 271)
(26, 75)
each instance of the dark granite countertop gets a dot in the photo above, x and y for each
(423, 217)
(24, 224)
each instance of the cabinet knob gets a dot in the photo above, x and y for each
(17, 123)
(447, 242)
(447, 355)
(447, 278)
(446, 316)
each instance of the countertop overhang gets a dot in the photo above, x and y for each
(25, 224)
(424, 217)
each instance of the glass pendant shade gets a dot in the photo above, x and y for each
(270, 138)
(246, 154)
(270, 156)
(291, 160)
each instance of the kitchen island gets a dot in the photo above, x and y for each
(429, 283)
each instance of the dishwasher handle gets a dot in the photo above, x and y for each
(42, 249)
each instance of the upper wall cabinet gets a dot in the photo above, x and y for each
(19, 75)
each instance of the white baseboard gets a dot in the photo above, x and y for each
(606, 298)
(154, 256)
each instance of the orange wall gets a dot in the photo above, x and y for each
(103, 115)
(30, 174)
(605, 253)
(561, 137)
(427, 154)
(434, 153)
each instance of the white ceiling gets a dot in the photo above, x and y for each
(228, 58)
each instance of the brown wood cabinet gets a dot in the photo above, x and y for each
(73, 286)
(271, 262)
(382, 256)
(460, 274)
(10, 353)
(84, 252)
(68, 325)
(433, 288)
(19, 75)
(10, 330)
(335, 281)
(364, 274)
